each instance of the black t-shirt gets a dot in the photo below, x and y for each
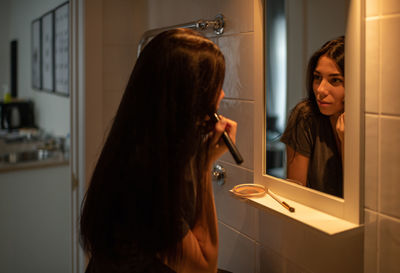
(139, 262)
(137, 265)
(311, 135)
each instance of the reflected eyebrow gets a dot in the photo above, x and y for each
(330, 75)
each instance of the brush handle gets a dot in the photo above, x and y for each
(229, 143)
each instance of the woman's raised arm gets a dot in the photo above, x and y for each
(297, 166)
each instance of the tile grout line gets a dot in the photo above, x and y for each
(372, 18)
(370, 210)
(382, 17)
(384, 115)
(239, 232)
(392, 218)
(238, 99)
(378, 225)
(235, 165)
(388, 16)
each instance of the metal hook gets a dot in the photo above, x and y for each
(219, 174)
(219, 24)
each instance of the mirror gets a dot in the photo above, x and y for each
(294, 30)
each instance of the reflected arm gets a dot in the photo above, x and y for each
(340, 134)
(297, 166)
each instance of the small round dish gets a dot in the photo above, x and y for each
(249, 190)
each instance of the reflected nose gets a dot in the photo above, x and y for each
(322, 90)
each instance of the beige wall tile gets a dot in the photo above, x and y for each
(113, 99)
(390, 7)
(372, 7)
(230, 210)
(389, 245)
(294, 268)
(238, 251)
(371, 161)
(239, 56)
(370, 242)
(243, 113)
(372, 66)
(270, 261)
(272, 232)
(324, 253)
(389, 166)
(122, 19)
(390, 44)
(310, 249)
(174, 12)
(118, 62)
(239, 15)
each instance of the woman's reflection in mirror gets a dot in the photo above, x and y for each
(314, 136)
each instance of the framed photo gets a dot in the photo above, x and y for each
(61, 62)
(48, 52)
(36, 54)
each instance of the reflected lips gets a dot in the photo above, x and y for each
(323, 103)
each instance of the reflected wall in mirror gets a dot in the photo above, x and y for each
(294, 31)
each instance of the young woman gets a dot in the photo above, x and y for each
(149, 206)
(314, 135)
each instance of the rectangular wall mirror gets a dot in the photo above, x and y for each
(293, 31)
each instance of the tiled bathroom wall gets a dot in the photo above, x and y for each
(250, 240)
(113, 29)
(123, 24)
(382, 152)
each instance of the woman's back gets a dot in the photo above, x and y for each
(133, 265)
(150, 203)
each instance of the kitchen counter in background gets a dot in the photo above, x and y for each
(55, 160)
(21, 151)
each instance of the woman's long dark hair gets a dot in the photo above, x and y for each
(333, 49)
(155, 151)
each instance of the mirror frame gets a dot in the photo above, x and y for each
(350, 207)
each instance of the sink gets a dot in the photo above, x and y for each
(26, 156)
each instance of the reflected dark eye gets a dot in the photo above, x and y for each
(336, 81)
(317, 77)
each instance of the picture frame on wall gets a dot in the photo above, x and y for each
(61, 61)
(36, 54)
(47, 52)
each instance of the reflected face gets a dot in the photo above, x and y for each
(328, 86)
(221, 96)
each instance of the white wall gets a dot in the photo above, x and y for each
(382, 118)
(4, 46)
(51, 111)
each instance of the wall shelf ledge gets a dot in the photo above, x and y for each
(311, 217)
